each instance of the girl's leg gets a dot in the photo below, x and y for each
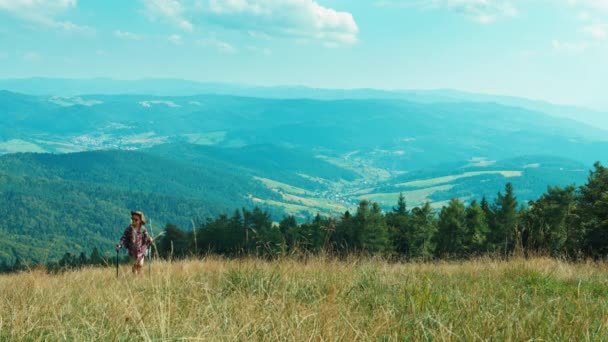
(139, 264)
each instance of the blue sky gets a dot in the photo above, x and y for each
(555, 50)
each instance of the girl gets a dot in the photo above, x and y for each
(136, 240)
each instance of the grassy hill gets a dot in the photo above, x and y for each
(321, 299)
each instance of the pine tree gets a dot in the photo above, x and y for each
(359, 225)
(399, 227)
(95, 258)
(67, 261)
(506, 221)
(489, 215)
(593, 211)
(477, 228)
(267, 239)
(371, 231)
(82, 260)
(236, 233)
(174, 243)
(4, 267)
(420, 238)
(291, 232)
(375, 237)
(315, 234)
(343, 237)
(452, 234)
(401, 208)
(551, 223)
(19, 265)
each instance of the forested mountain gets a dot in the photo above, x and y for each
(82, 200)
(186, 158)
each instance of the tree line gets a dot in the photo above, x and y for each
(570, 222)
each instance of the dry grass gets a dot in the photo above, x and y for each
(321, 299)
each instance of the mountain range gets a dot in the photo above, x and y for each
(77, 155)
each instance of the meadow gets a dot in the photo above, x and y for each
(319, 299)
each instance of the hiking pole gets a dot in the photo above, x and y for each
(150, 250)
(116, 264)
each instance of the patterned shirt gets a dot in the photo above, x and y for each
(136, 241)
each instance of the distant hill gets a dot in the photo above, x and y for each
(178, 87)
(184, 158)
(413, 134)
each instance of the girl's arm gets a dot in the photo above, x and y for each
(123, 239)
(147, 240)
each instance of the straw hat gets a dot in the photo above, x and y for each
(141, 215)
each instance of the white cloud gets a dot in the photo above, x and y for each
(524, 54)
(68, 101)
(588, 5)
(127, 35)
(569, 47)
(259, 35)
(597, 31)
(219, 45)
(300, 19)
(263, 51)
(71, 27)
(171, 10)
(583, 16)
(175, 39)
(45, 7)
(44, 12)
(481, 11)
(149, 104)
(32, 56)
(598, 4)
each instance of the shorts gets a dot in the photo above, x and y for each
(137, 261)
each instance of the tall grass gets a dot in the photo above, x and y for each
(321, 299)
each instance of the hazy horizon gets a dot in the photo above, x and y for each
(287, 86)
(552, 51)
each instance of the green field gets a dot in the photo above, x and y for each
(319, 300)
(413, 197)
(293, 205)
(147, 138)
(58, 146)
(17, 145)
(296, 201)
(210, 138)
(442, 180)
(276, 186)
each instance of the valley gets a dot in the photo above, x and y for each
(183, 159)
